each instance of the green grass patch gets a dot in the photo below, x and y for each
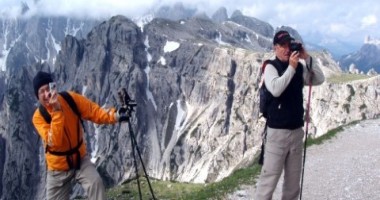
(183, 191)
(229, 184)
(161, 190)
(319, 140)
(344, 78)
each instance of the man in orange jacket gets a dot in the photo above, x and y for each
(63, 139)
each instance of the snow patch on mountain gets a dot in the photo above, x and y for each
(171, 46)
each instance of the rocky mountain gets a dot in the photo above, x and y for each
(195, 83)
(365, 59)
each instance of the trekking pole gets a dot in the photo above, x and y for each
(306, 133)
(129, 104)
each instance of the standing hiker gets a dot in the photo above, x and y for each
(285, 78)
(58, 122)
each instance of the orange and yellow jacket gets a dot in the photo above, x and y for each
(61, 135)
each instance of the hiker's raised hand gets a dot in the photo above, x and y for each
(303, 54)
(53, 101)
(293, 59)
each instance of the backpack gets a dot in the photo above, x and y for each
(265, 96)
(75, 150)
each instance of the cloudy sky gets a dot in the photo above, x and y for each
(348, 21)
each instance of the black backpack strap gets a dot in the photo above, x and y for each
(44, 114)
(73, 106)
(264, 140)
(71, 102)
(68, 155)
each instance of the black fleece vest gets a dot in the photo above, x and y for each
(286, 111)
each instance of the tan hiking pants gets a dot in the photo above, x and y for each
(283, 151)
(59, 183)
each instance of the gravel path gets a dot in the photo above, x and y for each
(347, 167)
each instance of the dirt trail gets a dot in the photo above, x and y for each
(347, 167)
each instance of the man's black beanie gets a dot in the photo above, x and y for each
(41, 78)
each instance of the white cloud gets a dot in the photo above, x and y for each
(333, 18)
(369, 20)
(93, 8)
(9, 9)
(338, 28)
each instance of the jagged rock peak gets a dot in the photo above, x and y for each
(175, 12)
(24, 8)
(237, 13)
(220, 15)
(261, 27)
